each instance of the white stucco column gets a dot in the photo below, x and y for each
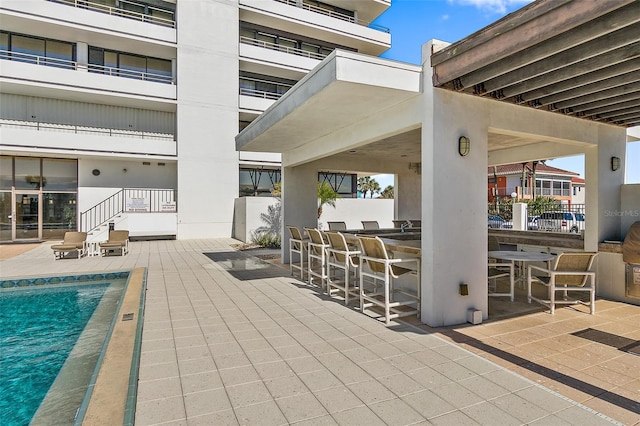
(454, 204)
(207, 118)
(299, 201)
(407, 201)
(603, 185)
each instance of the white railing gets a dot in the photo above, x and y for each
(118, 11)
(38, 59)
(86, 130)
(250, 91)
(334, 14)
(74, 65)
(126, 73)
(285, 49)
(260, 94)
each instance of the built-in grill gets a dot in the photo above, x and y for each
(631, 256)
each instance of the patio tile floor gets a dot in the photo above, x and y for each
(228, 340)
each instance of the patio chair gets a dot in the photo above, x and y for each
(337, 226)
(370, 224)
(376, 265)
(297, 245)
(317, 255)
(73, 241)
(570, 272)
(341, 256)
(118, 242)
(501, 270)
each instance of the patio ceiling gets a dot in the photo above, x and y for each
(578, 58)
(344, 89)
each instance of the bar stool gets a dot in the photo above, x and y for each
(317, 256)
(385, 269)
(297, 245)
(340, 256)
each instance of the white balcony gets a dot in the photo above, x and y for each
(252, 103)
(290, 18)
(266, 58)
(68, 80)
(43, 18)
(26, 136)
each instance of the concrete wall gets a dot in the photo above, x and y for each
(629, 207)
(247, 215)
(354, 210)
(207, 117)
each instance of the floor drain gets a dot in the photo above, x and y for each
(127, 317)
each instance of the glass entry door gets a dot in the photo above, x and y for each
(26, 216)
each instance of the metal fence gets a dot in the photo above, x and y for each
(549, 217)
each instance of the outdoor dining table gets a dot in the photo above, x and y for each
(523, 257)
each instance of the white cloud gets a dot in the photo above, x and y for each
(445, 17)
(495, 6)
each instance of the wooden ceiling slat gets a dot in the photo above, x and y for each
(477, 65)
(579, 58)
(610, 94)
(612, 108)
(596, 87)
(579, 74)
(557, 61)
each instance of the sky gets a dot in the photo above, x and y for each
(414, 22)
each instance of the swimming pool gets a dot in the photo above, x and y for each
(52, 332)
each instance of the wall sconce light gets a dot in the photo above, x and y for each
(615, 163)
(416, 167)
(464, 289)
(464, 146)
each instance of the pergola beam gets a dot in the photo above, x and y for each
(599, 96)
(511, 35)
(559, 59)
(599, 86)
(613, 108)
(608, 65)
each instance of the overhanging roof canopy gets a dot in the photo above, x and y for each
(579, 58)
(343, 89)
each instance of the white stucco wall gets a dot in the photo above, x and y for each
(207, 117)
(354, 210)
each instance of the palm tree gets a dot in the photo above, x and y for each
(364, 185)
(326, 195)
(387, 192)
(374, 187)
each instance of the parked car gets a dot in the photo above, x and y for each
(496, 221)
(561, 222)
(532, 224)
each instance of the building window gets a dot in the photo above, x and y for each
(36, 50)
(258, 182)
(129, 65)
(345, 184)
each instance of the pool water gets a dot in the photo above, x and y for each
(39, 328)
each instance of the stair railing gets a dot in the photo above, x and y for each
(129, 200)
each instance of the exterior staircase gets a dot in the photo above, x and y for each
(120, 209)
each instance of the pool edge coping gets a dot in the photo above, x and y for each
(115, 387)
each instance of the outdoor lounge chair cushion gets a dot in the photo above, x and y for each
(116, 239)
(72, 241)
(631, 245)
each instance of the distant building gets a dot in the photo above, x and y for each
(516, 180)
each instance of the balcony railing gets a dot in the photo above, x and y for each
(85, 130)
(252, 90)
(127, 73)
(130, 14)
(38, 59)
(74, 65)
(334, 14)
(279, 48)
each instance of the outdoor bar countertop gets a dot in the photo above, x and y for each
(539, 238)
(393, 238)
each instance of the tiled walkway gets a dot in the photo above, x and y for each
(228, 340)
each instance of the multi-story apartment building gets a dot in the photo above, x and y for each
(118, 105)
